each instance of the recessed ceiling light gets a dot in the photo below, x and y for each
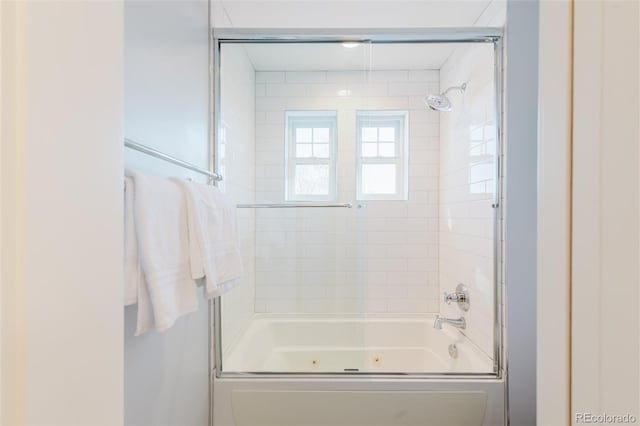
(350, 44)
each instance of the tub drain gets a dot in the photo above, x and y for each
(453, 351)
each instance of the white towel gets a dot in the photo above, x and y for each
(161, 228)
(213, 238)
(132, 270)
(135, 284)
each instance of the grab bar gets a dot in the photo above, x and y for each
(292, 205)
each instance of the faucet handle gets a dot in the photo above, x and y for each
(454, 297)
(460, 296)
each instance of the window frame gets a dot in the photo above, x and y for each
(295, 119)
(399, 120)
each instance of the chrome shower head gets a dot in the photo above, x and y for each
(438, 102)
(441, 102)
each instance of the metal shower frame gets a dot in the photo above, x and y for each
(373, 36)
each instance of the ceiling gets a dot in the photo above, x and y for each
(347, 13)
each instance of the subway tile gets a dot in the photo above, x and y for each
(425, 115)
(407, 306)
(407, 89)
(388, 265)
(384, 102)
(274, 117)
(425, 75)
(351, 76)
(388, 75)
(373, 306)
(306, 76)
(270, 77)
(261, 91)
(287, 89)
(261, 118)
(271, 104)
(423, 129)
(346, 255)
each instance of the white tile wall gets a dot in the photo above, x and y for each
(380, 257)
(236, 161)
(467, 188)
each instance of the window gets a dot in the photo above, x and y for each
(382, 155)
(311, 156)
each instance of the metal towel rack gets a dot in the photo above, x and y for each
(166, 157)
(216, 177)
(292, 205)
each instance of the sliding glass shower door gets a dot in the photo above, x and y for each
(365, 179)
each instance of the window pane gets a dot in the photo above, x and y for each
(321, 150)
(303, 150)
(387, 149)
(321, 134)
(303, 134)
(379, 179)
(369, 149)
(370, 134)
(387, 134)
(312, 179)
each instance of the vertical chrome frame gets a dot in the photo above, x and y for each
(498, 261)
(373, 36)
(213, 155)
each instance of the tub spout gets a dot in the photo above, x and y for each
(457, 323)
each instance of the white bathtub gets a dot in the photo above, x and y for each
(399, 372)
(338, 344)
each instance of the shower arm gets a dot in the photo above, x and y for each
(461, 88)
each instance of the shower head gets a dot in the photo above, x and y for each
(438, 102)
(441, 102)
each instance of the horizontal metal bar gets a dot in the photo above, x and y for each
(349, 375)
(292, 205)
(166, 157)
(391, 35)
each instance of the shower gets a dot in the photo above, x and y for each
(441, 102)
(335, 294)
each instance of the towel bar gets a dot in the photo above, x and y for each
(166, 157)
(292, 205)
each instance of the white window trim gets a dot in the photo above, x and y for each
(291, 161)
(401, 159)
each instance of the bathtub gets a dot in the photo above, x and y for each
(353, 344)
(383, 370)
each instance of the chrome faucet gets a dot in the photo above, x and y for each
(457, 323)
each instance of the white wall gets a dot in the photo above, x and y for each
(62, 216)
(468, 188)
(554, 207)
(236, 162)
(12, 303)
(606, 209)
(382, 257)
(167, 107)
